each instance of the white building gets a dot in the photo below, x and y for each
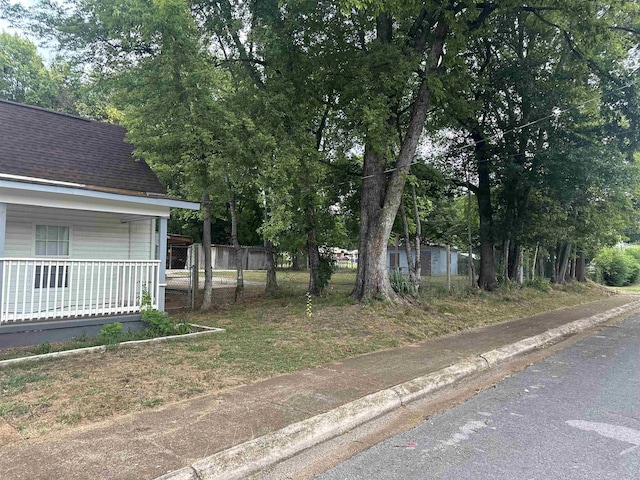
(78, 220)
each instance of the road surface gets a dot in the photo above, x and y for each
(575, 415)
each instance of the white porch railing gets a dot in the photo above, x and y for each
(48, 288)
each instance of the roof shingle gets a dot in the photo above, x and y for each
(40, 143)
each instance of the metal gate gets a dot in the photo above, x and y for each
(180, 268)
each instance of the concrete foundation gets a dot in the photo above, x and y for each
(35, 333)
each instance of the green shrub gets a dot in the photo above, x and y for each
(400, 283)
(159, 324)
(540, 284)
(111, 333)
(618, 268)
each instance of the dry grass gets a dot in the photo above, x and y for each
(264, 337)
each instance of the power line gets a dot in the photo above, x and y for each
(556, 114)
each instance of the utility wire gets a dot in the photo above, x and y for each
(556, 114)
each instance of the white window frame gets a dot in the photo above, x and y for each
(34, 250)
(50, 224)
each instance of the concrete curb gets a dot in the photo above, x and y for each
(102, 348)
(250, 457)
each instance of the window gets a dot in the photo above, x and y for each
(54, 276)
(52, 241)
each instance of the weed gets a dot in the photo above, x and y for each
(539, 284)
(198, 348)
(152, 402)
(69, 418)
(183, 328)
(111, 333)
(400, 283)
(159, 324)
(43, 348)
(20, 380)
(14, 409)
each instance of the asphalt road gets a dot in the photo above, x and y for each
(575, 415)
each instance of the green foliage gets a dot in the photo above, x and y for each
(158, 323)
(618, 267)
(145, 300)
(540, 284)
(400, 283)
(183, 328)
(43, 348)
(325, 270)
(111, 333)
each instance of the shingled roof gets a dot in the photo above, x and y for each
(42, 144)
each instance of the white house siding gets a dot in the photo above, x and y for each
(93, 235)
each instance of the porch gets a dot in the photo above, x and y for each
(37, 289)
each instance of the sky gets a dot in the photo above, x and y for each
(45, 53)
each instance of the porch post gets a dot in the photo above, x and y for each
(3, 231)
(162, 251)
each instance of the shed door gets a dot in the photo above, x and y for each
(425, 260)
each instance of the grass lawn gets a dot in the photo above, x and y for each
(264, 337)
(627, 289)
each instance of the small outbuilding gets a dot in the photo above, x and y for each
(433, 257)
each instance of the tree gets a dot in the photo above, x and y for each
(24, 78)
(530, 79)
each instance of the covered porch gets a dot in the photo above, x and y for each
(70, 254)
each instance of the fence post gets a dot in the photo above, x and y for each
(448, 255)
(195, 273)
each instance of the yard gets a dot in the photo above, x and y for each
(264, 337)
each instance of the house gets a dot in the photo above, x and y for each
(78, 222)
(433, 257)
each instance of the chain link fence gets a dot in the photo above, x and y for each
(179, 292)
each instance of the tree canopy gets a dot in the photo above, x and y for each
(325, 118)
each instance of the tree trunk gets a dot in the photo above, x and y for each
(564, 267)
(487, 277)
(417, 267)
(372, 279)
(505, 261)
(295, 262)
(380, 199)
(415, 282)
(533, 263)
(515, 262)
(561, 263)
(541, 265)
(314, 262)
(206, 246)
(581, 269)
(520, 267)
(237, 249)
(272, 285)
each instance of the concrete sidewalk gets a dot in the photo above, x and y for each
(243, 428)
